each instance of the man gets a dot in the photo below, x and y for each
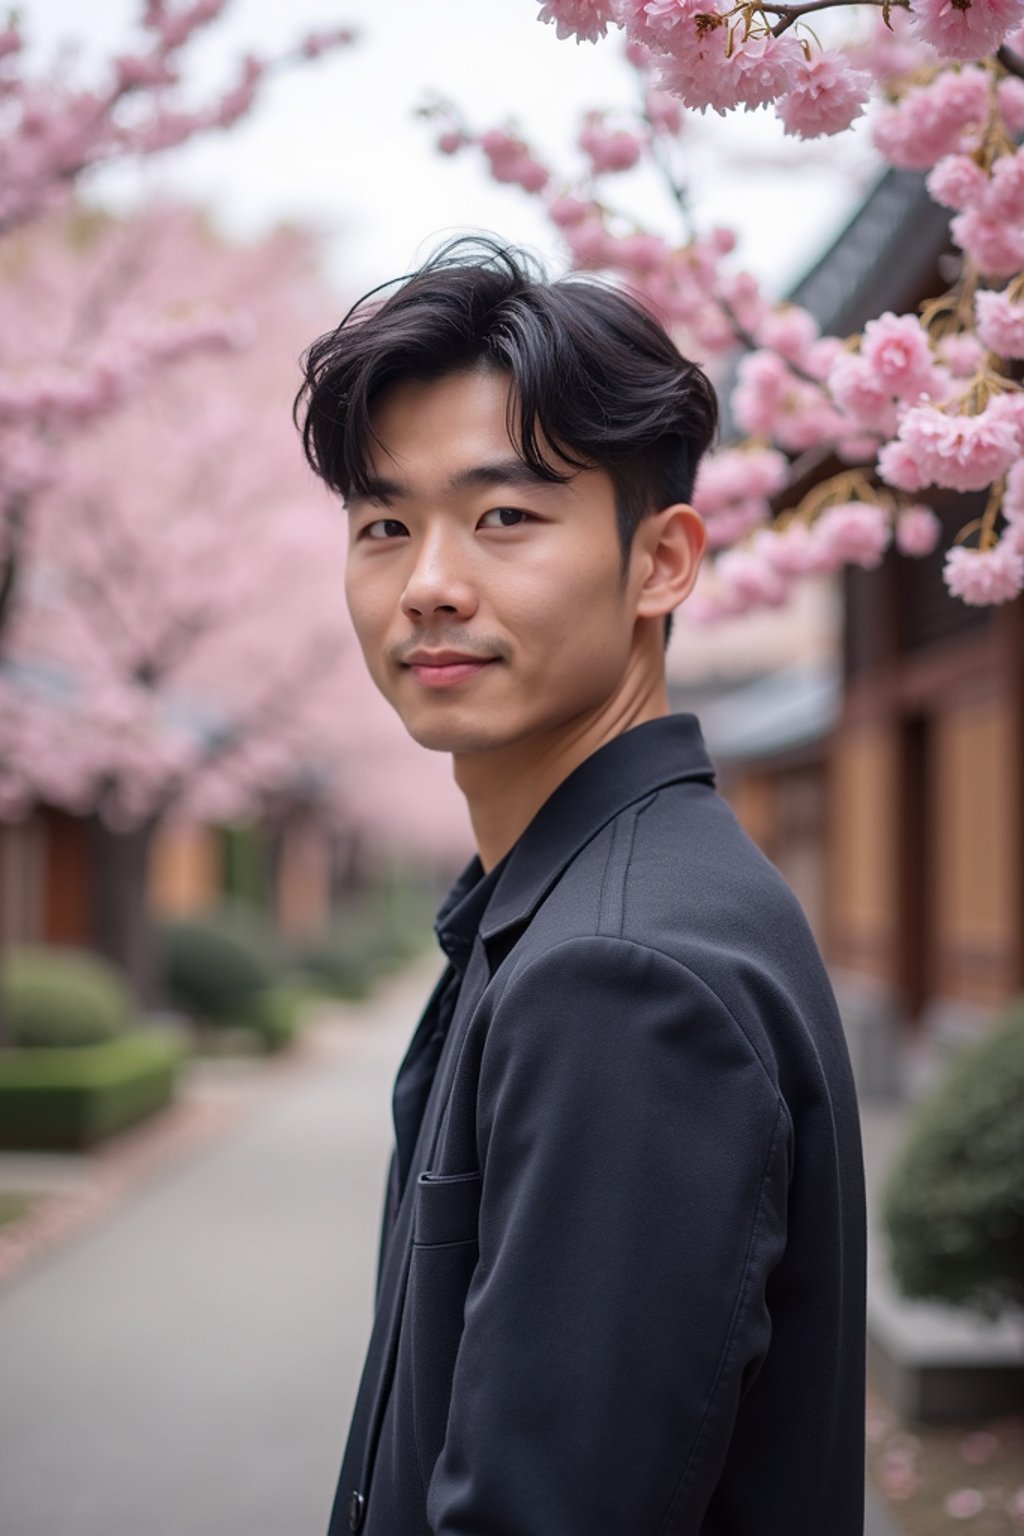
(621, 1278)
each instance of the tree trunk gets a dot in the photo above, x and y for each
(122, 928)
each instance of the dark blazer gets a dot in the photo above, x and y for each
(621, 1284)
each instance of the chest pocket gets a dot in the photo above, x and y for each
(444, 1256)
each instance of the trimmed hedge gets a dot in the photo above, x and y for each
(954, 1203)
(54, 997)
(214, 967)
(338, 963)
(76, 1096)
(363, 945)
(275, 1017)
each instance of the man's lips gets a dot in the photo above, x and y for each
(439, 669)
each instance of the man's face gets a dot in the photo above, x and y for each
(489, 605)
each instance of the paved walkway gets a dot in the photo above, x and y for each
(185, 1365)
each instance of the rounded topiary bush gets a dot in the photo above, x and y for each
(53, 996)
(341, 963)
(954, 1203)
(212, 967)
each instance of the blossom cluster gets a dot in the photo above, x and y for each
(917, 402)
(141, 675)
(55, 130)
(54, 384)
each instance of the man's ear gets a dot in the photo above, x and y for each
(668, 547)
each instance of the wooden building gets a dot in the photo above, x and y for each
(895, 804)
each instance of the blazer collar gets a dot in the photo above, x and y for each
(626, 769)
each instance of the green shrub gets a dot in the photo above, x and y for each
(954, 1203)
(53, 997)
(362, 945)
(275, 1016)
(337, 963)
(214, 966)
(76, 1096)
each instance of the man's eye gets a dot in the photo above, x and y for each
(384, 528)
(507, 517)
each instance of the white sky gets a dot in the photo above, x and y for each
(336, 143)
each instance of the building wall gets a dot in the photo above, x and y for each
(184, 871)
(977, 908)
(783, 808)
(862, 848)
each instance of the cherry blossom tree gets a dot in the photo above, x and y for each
(56, 380)
(179, 646)
(917, 403)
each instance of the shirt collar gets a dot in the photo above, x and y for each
(625, 769)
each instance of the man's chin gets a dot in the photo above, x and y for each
(439, 736)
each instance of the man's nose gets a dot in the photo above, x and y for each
(440, 581)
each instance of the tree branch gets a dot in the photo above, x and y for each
(793, 13)
(1011, 62)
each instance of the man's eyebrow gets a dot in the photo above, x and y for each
(377, 488)
(510, 471)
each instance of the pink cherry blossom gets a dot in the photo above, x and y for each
(862, 393)
(585, 20)
(961, 353)
(1013, 497)
(793, 549)
(512, 161)
(663, 111)
(982, 577)
(762, 68)
(698, 71)
(567, 211)
(931, 120)
(895, 349)
(653, 22)
(963, 453)
(858, 448)
(969, 29)
(608, 149)
(892, 50)
(957, 181)
(737, 519)
(997, 247)
(742, 292)
(589, 242)
(788, 330)
(1004, 195)
(825, 96)
(763, 382)
(1000, 322)
(748, 580)
(1009, 409)
(639, 254)
(899, 466)
(854, 533)
(820, 358)
(769, 401)
(1010, 98)
(917, 530)
(733, 474)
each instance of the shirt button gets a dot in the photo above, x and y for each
(356, 1511)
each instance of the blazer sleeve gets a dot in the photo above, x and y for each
(635, 1165)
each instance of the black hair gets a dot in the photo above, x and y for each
(593, 374)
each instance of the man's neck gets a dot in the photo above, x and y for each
(505, 789)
